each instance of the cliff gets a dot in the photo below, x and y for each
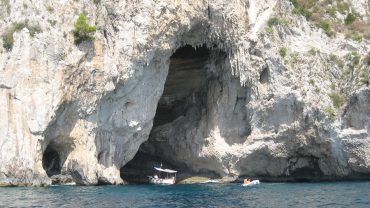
(234, 88)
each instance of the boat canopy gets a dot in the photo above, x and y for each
(165, 170)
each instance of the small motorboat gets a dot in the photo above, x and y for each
(163, 176)
(250, 183)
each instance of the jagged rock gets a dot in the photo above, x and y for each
(61, 179)
(244, 110)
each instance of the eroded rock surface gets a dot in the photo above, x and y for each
(241, 109)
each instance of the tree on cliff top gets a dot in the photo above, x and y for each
(83, 31)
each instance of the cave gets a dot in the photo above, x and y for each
(183, 96)
(51, 161)
(186, 77)
(311, 172)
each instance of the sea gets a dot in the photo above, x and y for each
(313, 194)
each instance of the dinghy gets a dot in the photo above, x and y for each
(251, 183)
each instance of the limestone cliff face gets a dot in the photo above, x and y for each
(238, 109)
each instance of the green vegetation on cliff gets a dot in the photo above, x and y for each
(7, 36)
(82, 30)
(334, 15)
(337, 99)
(283, 51)
(325, 25)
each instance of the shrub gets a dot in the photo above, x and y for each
(311, 81)
(325, 25)
(364, 77)
(273, 21)
(337, 99)
(283, 52)
(302, 11)
(332, 11)
(8, 40)
(357, 38)
(349, 19)
(356, 58)
(7, 36)
(276, 21)
(317, 10)
(330, 111)
(354, 35)
(269, 30)
(50, 9)
(300, 8)
(313, 51)
(18, 26)
(295, 56)
(332, 86)
(83, 31)
(34, 29)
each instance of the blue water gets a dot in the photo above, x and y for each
(334, 194)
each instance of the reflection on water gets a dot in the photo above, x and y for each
(340, 194)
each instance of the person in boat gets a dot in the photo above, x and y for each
(247, 181)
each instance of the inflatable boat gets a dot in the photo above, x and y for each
(252, 183)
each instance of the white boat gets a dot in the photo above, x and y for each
(163, 177)
(252, 183)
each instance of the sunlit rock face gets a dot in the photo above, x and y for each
(198, 84)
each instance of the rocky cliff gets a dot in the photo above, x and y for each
(229, 88)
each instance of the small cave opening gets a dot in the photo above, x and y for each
(183, 98)
(51, 161)
(265, 75)
(310, 172)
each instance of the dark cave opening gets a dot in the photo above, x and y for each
(183, 94)
(187, 74)
(308, 173)
(51, 161)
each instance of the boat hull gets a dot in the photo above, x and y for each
(161, 181)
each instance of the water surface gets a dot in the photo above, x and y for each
(333, 194)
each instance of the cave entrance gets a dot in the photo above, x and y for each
(51, 161)
(186, 77)
(184, 93)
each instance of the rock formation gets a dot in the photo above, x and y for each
(228, 103)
